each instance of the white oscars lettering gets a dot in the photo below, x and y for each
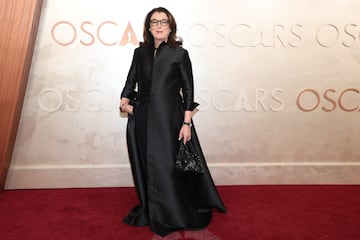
(197, 35)
(74, 104)
(260, 96)
(73, 100)
(349, 32)
(277, 99)
(327, 35)
(225, 100)
(222, 100)
(221, 95)
(96, 107)
(49, 94)
(242, 102)
(245, 35)
(203, 98)
(330, 35)
(237, 31)
(219, 35)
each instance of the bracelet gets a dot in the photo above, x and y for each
(188, 124)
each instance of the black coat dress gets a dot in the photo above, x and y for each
(161, 89)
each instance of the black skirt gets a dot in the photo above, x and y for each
(167, 202)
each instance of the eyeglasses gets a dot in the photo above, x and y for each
(163, 22)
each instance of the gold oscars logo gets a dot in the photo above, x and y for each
(309, 100)
(66, 33)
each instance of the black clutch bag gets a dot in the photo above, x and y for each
(188, 160)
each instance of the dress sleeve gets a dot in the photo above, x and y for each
(130, 84)
(187, 83)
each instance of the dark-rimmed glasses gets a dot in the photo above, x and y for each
(155, 22)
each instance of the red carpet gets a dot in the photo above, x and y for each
(254, 213)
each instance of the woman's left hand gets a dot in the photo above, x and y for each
(185, 133)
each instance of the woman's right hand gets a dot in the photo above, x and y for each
(127, 108)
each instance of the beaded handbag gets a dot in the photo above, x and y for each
(188, 161)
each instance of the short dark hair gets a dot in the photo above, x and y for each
(173, 40)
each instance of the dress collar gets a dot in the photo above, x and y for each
(161, 45)
(156, 50)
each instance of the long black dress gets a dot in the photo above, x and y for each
(167, 202)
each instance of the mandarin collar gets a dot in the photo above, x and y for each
(161, 45)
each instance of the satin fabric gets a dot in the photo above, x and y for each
(164, 84)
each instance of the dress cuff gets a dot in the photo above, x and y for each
(130, 94)
(190, 106)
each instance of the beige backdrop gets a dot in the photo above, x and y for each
(277, 82)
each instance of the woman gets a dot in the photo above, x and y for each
(160, 113)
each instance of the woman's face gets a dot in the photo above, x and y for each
(159, 26)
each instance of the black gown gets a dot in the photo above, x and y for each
(161, 89)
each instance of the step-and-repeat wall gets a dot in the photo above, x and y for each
(278, 82)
